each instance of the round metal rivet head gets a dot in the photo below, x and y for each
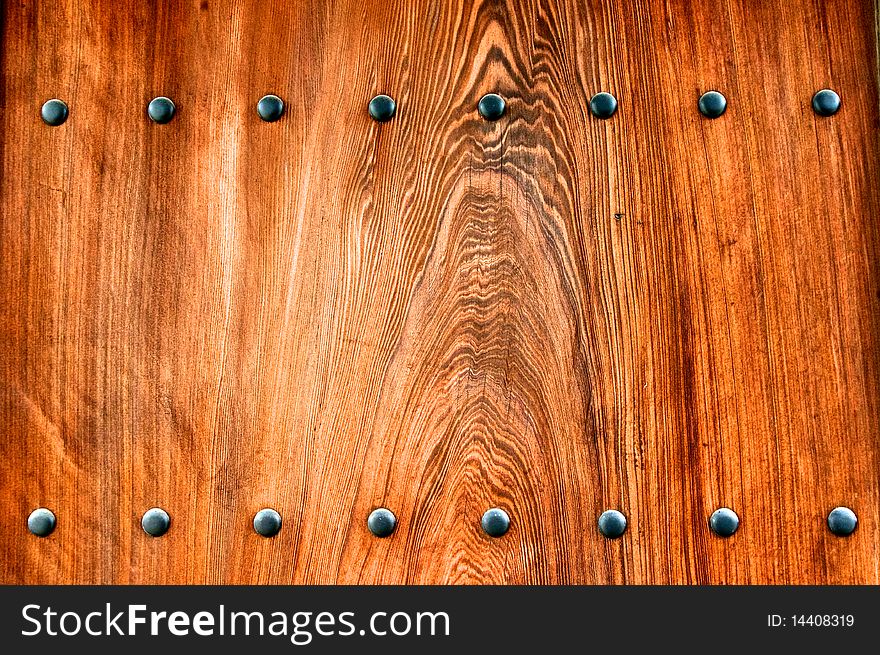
(612, 523)
(270, 108)
(161, 110)
(41, 522)
(495, 522)
(156, 522)
(267, 522)
(382, 108)
(826, 102)
(381, 522)
(54, 112)
(724, 522)
(842, 521)
(603, 105)
(491, 106)
(712, 104)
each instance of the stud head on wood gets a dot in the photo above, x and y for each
(826, 102)
(382, 108)
(842, 521)
(270, 108)
(381, 522)
(491, 106)
(156, 522)
(267, 522)
(495, 522)
(41, 522)
(712, 104)
(603, 105)
(54, 112)
(724, 522)
(612, 524)
(161, 110)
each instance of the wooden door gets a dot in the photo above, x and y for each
(550, 313)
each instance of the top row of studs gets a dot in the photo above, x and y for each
(492, 106)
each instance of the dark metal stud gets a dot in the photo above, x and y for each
(381, 522)
(826, 102)
(161, 110)
(267, 522)
(382, 108)
(603, 105)
(842, 521)
(612, 523)
(270, 108)
(41, 522)
(495, 522)
(156, 522)
(712, 104)
(491, 106)
(724, 522)
(54, 112)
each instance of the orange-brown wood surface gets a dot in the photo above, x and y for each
(552, 314)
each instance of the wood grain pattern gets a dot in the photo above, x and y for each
(552, 314)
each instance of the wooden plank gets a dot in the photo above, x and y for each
(553, 314)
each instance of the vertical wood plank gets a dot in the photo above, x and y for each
(549, 313)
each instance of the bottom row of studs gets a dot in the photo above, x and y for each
(724, 522)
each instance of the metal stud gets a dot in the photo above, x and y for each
(270, 108)
(724, 522)
(491, 106)
(267, 522)
(161, 110)
(603, 105)
(495, 522)
(842, 521)
(156, 522)
(382, 108)
(381, 522)
(612, 523)
(712, 104)
(826, 102)
(54, 112)
(41, 522)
